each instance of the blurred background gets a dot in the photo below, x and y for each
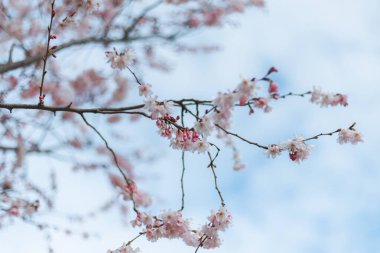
(328, 203)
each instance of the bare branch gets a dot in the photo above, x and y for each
(129, 181)
(41, 98)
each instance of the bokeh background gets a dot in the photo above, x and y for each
(328, 203)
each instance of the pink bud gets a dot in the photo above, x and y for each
(273, 87)
(14, 211)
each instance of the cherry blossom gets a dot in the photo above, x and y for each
(298, 149)
(349, 136)
(273, 151)
(245, 91)
(72, 94)
(327, 99)
(145, 90)
(220, 219)
(204, 126)
(120, 60)
(124, 249)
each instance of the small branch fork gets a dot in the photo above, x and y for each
(184, 107)
(212, 166)
(202, 241)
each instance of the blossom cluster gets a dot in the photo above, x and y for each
(171, 224)
(180, 137)
(19, 207)
(244, 95)
(327, 99)
(349, 136)
(299, 150)
(189, 140)
(158, 109)
(124, 249)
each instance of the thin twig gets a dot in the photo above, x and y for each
(241, 138)
(78, 42)
(141, 16)
(135, 238)
(212, 166)
(183, 166)
(330, 133)
(127, 180)
(205, 237)
(133, 73)
(68, 108)
(182, 184)
(41, 101)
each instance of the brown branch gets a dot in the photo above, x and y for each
(241, 138)
(141, 16)
(182, 184)
(213, 166)
(41, 98)
(68, 108)
(329, 134)
(135, 238)
(77, 42)
(127, 180)
(134, 75)
(31, 150)
(203, 239)
(295, 94)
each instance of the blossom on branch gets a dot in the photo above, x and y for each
(298, 149)
(204, 126)
(349, 136)
(124, 249)
(121, 60)
(327, 99)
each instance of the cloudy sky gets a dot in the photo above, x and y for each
(330, 202)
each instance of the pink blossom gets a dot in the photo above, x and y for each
(120, 60)
(204, 126)
(125, 248)
(201, 146)
(238, 165)
(327, 99)
(188, 140)
(158, 109)
(145, 90)
(245, 91)
(349, 136)
(298, 149)
(273, 87)
(221, 219)
(273, 151)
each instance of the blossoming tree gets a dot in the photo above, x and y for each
(37, 89)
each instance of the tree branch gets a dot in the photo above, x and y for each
(128, 181)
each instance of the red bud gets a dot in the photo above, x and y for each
(271, 70)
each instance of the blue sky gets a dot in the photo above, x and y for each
(330, 202)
